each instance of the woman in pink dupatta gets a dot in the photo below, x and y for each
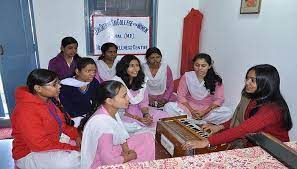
(105, 140)
(160, 82)
(129, 72)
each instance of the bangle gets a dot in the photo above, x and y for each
(144, 114)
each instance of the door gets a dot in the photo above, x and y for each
(18, 55)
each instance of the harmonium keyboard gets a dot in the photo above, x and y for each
(173, 132)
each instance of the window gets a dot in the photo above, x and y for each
(138, 8)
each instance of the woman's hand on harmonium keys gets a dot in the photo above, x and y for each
(193, 144)
(212, 128)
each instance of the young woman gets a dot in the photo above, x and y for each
(160, 82)
(130, 74)
(200, 93)
(106, 63)
(78, 93)
(42, 138)
(265, 111)
(105, 140)
(64, 63)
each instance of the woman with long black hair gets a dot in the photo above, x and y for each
(200, 93)
(130, 74)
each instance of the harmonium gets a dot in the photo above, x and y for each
(173, 132)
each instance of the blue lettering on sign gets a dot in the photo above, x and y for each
(132, 47)
(142, 27)
(119, 22)
(118, 36)
(129, 35)
(102, 27)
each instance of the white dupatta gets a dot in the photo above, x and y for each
(197, 89)
(156, 85)
(133, 99)
(106, 73)
(73, 82)
(100, 123)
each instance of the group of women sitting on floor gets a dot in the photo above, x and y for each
(80, 113)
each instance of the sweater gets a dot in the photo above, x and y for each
(33, 127)
(268, 119)
(59, 65)
(76, 102)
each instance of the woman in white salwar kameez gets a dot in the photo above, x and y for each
(107, 62)
(105, 140)
(200, 94)
(160, 82)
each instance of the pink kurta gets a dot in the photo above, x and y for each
(135, 109)
(108, 154)
(168, 94)
(184, 96)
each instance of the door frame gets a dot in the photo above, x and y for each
(30, 31)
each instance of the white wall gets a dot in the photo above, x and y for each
(56, 19)
(237, 42)
(170, 29)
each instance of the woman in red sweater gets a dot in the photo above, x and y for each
(265, 111)
(43, 137)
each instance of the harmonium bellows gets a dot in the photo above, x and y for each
(173, 132)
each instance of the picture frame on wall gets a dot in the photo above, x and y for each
(250, 6)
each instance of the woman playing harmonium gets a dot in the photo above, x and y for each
(262, 109)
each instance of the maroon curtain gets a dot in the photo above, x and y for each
(190, 43)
